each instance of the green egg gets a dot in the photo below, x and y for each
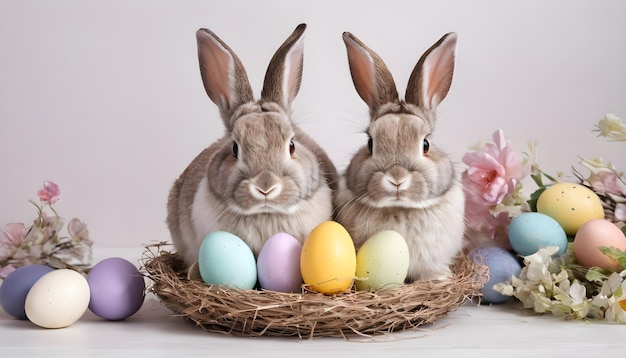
(382, 261)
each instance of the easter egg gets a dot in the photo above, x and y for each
(16, 285)
(278, 264)
(502, 266)
(528, 232)
(226, 260)
(58, 299)
(571, 205)
(593, 235)
(117, 289)
(328, 259)
(382, 261)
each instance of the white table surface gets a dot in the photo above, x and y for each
(470, 331)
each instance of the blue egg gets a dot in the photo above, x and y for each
(528, 232)
(226, 260)
(502, 266)
(16, 285)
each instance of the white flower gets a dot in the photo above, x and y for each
(598, 306)
(596, 165)
(537, 264)
(610, 126)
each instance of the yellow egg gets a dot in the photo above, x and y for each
(382, 261)
(328, 259)
(571, 205)
(591, 236)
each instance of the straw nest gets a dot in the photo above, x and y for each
(308, 314)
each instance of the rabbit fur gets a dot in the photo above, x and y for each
(265, 175)
(401, 180)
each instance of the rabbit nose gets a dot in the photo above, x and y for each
(265, 186)
(397, 178)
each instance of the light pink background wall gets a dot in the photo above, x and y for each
(105, 97)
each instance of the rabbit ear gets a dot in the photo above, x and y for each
(370, 75)
(284, 72)
(224, 77)
(432, 76)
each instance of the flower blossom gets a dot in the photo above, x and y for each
(12, 235)
(50, 193)
(611, 127)
(604, 178)
(494, 171)
(42, 242)
(492, 183)
(12, 239)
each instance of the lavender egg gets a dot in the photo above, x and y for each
(15, 288)
(117, 289)
(278, 264)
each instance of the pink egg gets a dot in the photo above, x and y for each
(591, 236)
(278, 264)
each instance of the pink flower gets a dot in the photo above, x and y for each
(77, 228)
(493, 172)
(5, 271)
(13, 235)
(484, 226)
(50, 193)
(606, 181)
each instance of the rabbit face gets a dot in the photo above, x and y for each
(264, 170)
(400, 167)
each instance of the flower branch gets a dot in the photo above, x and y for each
(41, 242)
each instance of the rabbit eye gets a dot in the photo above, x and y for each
(235, 149)
(426, 146)
(370, 145)
(292, 147)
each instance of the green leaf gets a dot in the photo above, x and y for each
(550, 177)
(595, 274)
(534, 197)
(537, 179)
(615, 254)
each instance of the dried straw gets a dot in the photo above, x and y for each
(309, 314)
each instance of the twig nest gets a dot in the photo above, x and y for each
(306, 313)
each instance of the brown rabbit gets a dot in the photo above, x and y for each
(264, 175)
(401, 180)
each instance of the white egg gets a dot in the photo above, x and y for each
(58, 299)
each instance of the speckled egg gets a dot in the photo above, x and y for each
(382, 261)
(571, 205)
(528, 232)
(58, 299)
(593, 235)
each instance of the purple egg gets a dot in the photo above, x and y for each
(117, 289)
(502, 265)
(16, 285)
(278, 264)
